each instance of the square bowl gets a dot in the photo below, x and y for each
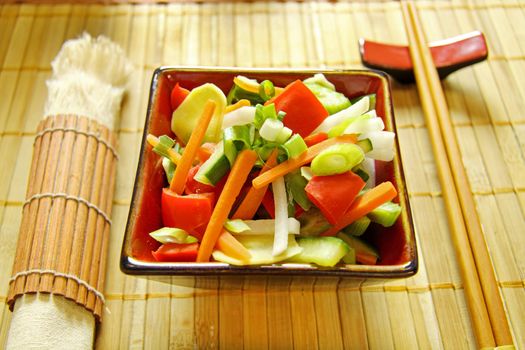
(396, 245)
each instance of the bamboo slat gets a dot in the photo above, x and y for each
(230, 313)
(255, 313)
(157, 308)
(302, 302)
(329, 331)
(206, 313)
(486, 104)
(182, 308)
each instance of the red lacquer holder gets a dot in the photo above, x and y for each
(449, 55)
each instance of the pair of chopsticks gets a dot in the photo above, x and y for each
(488, 316)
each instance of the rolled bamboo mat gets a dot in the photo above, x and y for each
(426, 311)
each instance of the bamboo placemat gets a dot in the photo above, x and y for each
(426, 311)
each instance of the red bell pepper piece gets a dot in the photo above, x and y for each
(334, 194)
(269, 204)
(298, 210)
(178, 94)
(176, 252)
(304, 111)
(314, 139)
(187, 212)
(193, 186)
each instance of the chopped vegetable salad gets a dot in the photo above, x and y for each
(269, 174)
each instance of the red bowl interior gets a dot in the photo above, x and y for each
(396, 244)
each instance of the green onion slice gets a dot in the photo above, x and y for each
(236, 226)
(306, 172)
(271, 129)
(172, 235)
(169, 168)
(284, 135)
(237, 138)
(295, 146)
(266, 90)
(337, 159)
(165, 143)
(262, 113)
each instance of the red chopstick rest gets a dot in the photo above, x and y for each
(449, 55)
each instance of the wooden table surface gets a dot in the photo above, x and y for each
(426, 311)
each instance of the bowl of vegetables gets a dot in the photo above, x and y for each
(261, 171)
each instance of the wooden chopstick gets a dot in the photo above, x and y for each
(481, 289)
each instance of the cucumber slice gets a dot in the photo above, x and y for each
(331, 100)
(360, 171)
(364, 252)
(358, 227)
(313, 222)
(212, 170)
(386, 214)
(365, 144)
(349, 258)
(187, 115)
(323, 251)
(320, 79)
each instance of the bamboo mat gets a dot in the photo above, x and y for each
(487, 104)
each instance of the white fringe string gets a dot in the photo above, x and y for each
(67, 196)
(61, 274)
(85, 133)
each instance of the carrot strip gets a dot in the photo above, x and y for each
(295, 163)
(314, 139)
(205, 151)
(363, 205)
(186, 161)
(232, 247)
(254, 197)
(238, 175)
(239, 104)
